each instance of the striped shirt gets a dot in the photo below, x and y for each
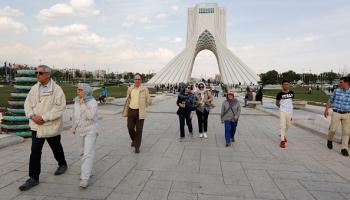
(340, 100)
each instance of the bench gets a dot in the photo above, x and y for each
(252, 104)
(299, 104)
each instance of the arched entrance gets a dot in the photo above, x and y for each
(206, 30)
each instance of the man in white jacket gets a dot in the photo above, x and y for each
(44, 105)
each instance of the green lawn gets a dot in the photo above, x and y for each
(70, 92)
(301, 93)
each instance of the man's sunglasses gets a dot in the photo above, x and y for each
(40, 73)
(201, 87)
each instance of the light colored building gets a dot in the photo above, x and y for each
(206, 29)
(99, 74)
(70, 71)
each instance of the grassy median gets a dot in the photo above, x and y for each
(301, 93)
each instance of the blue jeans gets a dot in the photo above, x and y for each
(230, 130)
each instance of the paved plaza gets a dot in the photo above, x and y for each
(204, 169)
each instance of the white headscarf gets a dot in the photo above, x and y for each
(201, 92)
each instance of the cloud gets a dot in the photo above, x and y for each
(144, 20)
(160, 16)
(10, 24)
(128, 24)
(247, 48)
(66, 30)
(19, 53)
(313, 38)
(133, 19)
(7, 11)
(79, 8)
(177, 40)
(175, 7)
(91, 49)
(170, 40)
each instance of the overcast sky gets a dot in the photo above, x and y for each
(143, 35)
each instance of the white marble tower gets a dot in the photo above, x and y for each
(206, 29)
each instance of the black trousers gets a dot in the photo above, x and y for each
(35, 155)
(202, 120)
(182, 118)
(135, 126)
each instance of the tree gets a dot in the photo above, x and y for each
(310, 78)
(78, 74)
(329, 77)
(57, 75)
(270, 77)
(112, 76)
(291, 76)
(89, 75)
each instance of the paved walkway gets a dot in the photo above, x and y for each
(253, 168)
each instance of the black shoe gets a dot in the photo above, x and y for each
(60, 170)
(228, 144)
(232, 139)
(329, 144)
(132, 144)
(344, 152)
(28, 184)
(137, 150)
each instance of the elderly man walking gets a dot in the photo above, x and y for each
(340, 103)
(44, 105)
(137, 100)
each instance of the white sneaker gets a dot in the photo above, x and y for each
(201, 135)
(84, 183)
(205, 135)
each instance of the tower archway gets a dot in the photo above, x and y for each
(206, 29)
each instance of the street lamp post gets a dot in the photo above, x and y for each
(5, 65)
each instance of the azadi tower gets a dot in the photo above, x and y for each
(206, 29)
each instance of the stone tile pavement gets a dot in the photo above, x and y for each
(253, 168)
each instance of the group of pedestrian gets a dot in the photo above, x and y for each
(339, 101)
(201, 102)
(45, 106)
(46, 103)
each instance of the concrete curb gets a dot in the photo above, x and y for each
(8, 140)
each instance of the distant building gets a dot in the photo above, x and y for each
(99, 74)
(70, 71)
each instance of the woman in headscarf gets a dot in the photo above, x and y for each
(230, 112)
(203, 103)
(85, 128)
(186, 106)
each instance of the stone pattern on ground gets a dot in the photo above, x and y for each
(196, 169)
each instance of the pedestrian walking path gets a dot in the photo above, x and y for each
(254, 167)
